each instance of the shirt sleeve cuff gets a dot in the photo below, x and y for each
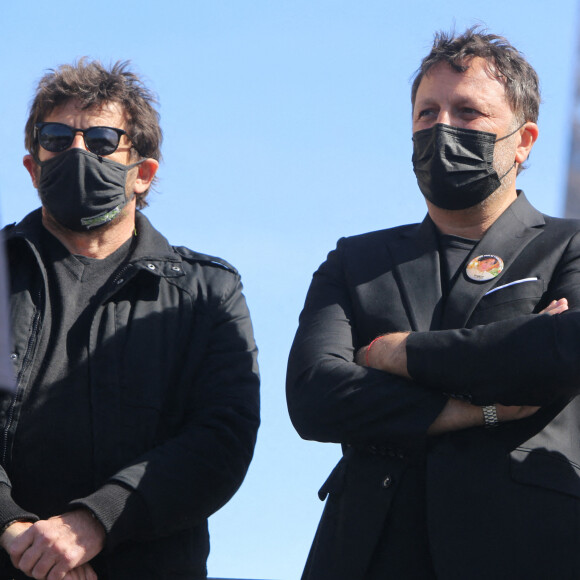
(120, 510)
(10, 511)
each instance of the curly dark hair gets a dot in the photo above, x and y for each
(91, 84)
(506, 63)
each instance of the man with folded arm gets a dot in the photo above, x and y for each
(423, 350)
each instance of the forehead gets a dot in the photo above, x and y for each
(71, 113)
(477, 82)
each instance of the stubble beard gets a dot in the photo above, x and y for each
(503, 164)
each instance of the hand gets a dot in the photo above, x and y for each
(83, 572)
(513, 413)
(556, 307)
(458, 415)
(12, 532)
(57, 548)
(386, 353)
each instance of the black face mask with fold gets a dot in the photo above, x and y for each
(453, 165)
(81, 190)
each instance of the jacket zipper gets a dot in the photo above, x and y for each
(119, 274)
(24, 366)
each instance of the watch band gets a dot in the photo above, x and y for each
(490, 416)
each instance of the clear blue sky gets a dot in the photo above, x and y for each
(287, 126)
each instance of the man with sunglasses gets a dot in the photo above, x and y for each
(136, 409)
(423, 350)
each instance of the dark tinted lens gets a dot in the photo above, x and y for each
(55, 137)
(101, 140)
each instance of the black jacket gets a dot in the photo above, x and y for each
(174, 399)
(501, 503)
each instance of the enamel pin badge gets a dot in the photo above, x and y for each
(485, 267)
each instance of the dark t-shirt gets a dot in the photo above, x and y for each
(454, 251)
(60, 388)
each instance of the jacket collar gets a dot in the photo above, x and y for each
(150, 244)
(151, 250)
(417, 270)
(517, 226)
(415, 255)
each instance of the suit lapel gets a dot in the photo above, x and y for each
(417, 271)
(519, 224)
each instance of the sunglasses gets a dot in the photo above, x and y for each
(57, 137)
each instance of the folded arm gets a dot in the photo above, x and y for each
(330, 397)
(389, 353)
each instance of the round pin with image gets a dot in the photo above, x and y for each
(484, 267)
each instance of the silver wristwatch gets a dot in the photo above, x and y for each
(490, 416)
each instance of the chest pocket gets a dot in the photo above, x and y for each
(508, 301)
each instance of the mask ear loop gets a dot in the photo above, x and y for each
(505, 137)
(507, 171)
(510, 134)
(129, 167)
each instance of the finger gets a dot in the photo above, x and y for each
(58, 572)
(550, 307)
(528, 411)
(556, 307)
(64, 563)
(77, 574)
(42, 567)
(84, 572)
(29, 560)
(19, 546)
(89, 572)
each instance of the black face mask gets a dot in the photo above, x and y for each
(81, 190)
(453, 166)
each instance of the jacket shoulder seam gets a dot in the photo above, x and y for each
(197, 257)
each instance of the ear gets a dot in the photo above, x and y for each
(528, 135)
(32, 168)
(145, 174)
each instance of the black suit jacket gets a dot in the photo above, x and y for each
(501, 503)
